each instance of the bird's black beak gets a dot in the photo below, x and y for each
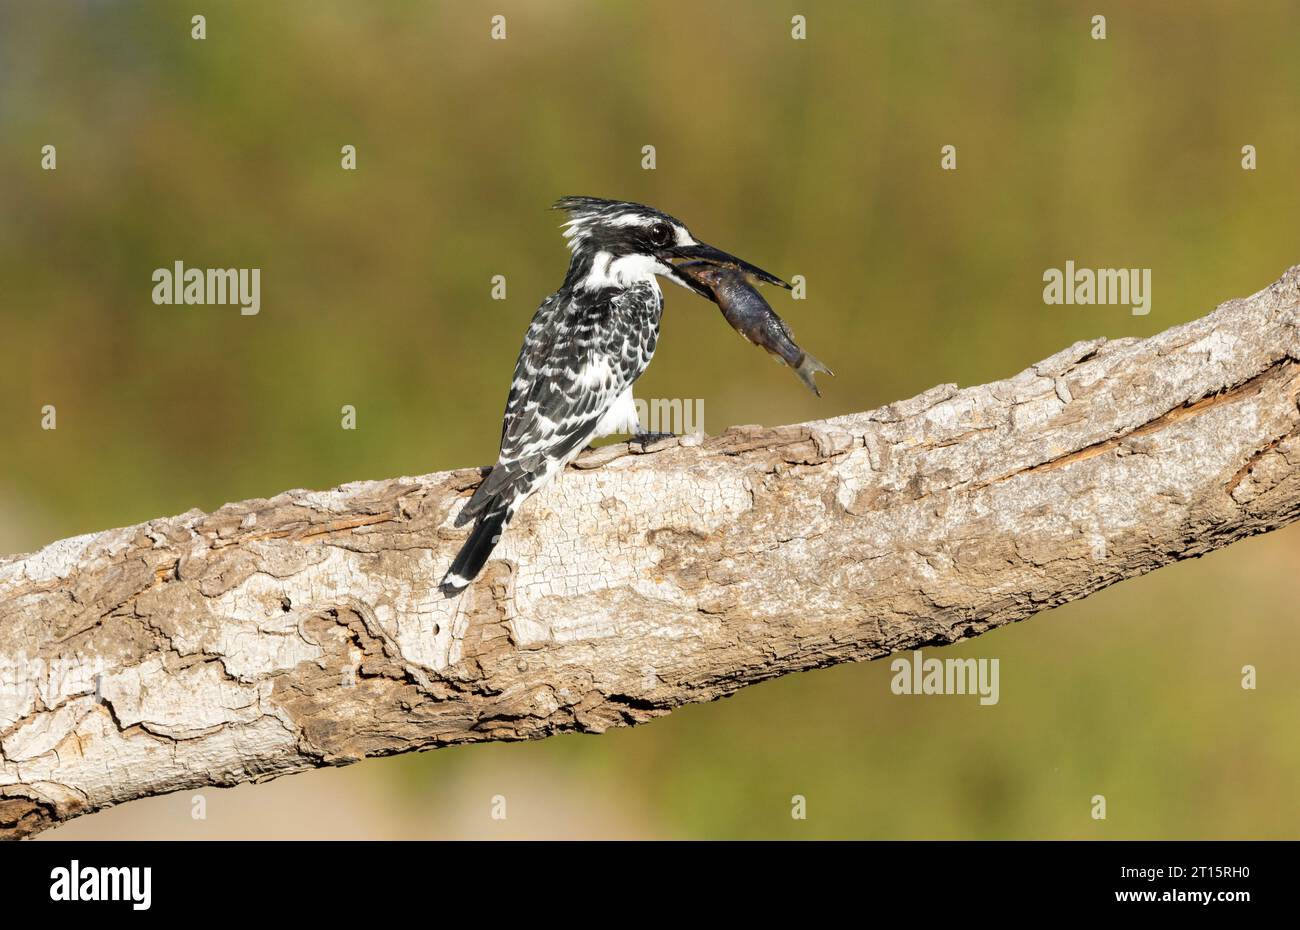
(707, 253)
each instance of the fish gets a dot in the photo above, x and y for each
(753, 317)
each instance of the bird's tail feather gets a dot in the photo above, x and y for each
(498, 496)
(490, 489)
(474, 554)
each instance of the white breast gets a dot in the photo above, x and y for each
(619, 418)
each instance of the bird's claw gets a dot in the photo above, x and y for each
(645, 440)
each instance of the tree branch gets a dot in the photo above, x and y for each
(273, 636)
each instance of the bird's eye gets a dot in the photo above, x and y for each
(661, 234)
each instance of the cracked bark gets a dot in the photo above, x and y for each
(273, 636)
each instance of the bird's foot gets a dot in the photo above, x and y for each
(646, 440)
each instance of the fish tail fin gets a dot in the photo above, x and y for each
(809, 367)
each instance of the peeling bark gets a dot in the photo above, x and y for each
(273, 636)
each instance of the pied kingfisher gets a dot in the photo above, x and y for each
(587, 344)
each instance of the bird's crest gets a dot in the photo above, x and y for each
(587, 213)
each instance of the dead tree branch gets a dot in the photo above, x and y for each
(272, 636)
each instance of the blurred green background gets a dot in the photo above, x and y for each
(816, 157)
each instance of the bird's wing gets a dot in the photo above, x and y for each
(570, 370)
(564, 379)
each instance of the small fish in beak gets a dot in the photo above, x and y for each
(751, 316)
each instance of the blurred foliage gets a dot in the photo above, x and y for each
(818, 158)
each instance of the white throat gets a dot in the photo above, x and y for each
(623, 272)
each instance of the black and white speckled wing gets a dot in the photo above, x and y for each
(562, 383)
(581, 354)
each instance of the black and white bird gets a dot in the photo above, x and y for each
(586, 346)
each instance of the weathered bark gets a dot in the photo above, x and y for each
(277, 635)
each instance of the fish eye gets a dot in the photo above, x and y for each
(661, 234)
